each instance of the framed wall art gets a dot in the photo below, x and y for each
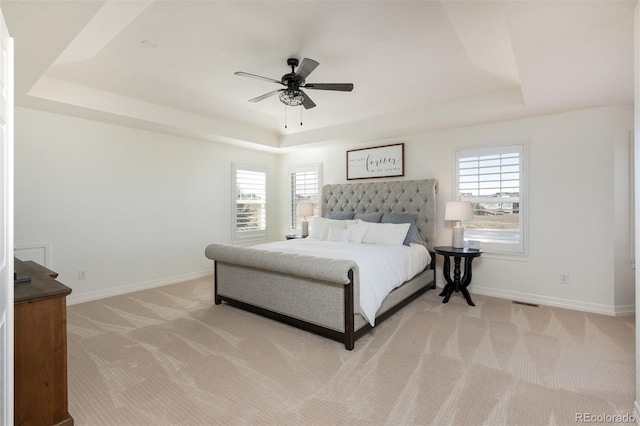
(377, 162)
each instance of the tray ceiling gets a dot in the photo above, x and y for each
(418, 65)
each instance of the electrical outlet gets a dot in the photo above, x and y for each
(82, 275)
(564, 278)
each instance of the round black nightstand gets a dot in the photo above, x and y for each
(294, 236)
(457, 284)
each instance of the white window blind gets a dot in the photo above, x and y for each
(250, 198)
(306, 184)
(493, 180)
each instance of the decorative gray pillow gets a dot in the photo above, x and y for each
(369, 217)
(413, 236)
(339, 216)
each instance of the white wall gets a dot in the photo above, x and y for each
(133, 208)
(136, 208)
(578, 218)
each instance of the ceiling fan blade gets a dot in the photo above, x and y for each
(308, 103)
(342, 87)
(265, 96)
(306, 67)
(259, 77)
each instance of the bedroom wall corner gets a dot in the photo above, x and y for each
(623, 213)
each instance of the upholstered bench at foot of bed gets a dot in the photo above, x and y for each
(310, 292)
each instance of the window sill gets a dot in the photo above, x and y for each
(517, 257)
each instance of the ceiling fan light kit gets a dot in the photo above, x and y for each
(292, 97)
(295, 81)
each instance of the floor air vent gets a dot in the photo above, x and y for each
(515, 302)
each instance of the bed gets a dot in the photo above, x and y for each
(322, 294)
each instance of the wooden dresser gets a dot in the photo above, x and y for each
(40, 347)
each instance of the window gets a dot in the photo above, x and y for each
(250, 197)
(494, 181)
(306, 184)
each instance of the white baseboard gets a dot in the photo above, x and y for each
(130, 288)
(576, 305)
(624, 310)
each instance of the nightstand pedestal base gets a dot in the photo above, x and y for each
(458, 283)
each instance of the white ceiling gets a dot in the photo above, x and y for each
(169, 66)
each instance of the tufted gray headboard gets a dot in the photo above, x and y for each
(406, 196)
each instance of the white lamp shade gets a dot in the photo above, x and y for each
(458, 210)
(304, 209)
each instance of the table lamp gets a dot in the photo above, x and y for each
(304, 210)
(458, 211)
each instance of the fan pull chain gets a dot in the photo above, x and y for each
(285, 116)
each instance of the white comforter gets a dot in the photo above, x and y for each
(382, 267)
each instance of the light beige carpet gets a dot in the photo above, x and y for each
(170, 356)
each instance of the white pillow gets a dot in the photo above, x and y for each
(320, 227)
(317, 224)
(337, 234)
(331, 224)
(386, 233)
(358, 232)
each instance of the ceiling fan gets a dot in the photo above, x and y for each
(294, 82)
